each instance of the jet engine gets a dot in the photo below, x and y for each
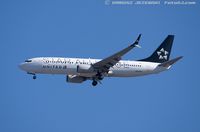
(74, 79)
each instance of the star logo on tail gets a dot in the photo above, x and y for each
(162, 54)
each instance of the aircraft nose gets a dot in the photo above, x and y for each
(22, 66)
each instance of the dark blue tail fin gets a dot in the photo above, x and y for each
(162, 53)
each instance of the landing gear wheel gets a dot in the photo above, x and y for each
(94, 83)
(34, 77)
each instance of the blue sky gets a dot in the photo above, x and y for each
(165, 102)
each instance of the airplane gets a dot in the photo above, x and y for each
(78, 70)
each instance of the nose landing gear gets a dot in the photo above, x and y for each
(34, 77)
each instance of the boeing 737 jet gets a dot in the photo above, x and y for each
(78, 70)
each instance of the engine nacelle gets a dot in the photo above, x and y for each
(74, 79)
(85, 69)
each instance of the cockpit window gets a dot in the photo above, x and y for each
(28, 60)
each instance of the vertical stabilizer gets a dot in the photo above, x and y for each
(162, 53)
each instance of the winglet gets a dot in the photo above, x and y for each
(136, 43)
(170, 62)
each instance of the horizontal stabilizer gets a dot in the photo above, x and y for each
(170, 62)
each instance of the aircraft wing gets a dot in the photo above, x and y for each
(105, 64)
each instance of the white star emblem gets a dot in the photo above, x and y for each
(162, 54)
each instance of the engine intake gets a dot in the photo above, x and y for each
(74, 79)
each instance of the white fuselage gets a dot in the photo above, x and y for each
(68, 66)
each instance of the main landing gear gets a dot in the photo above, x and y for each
(94, 83)
(99, 76)
(97, 79)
